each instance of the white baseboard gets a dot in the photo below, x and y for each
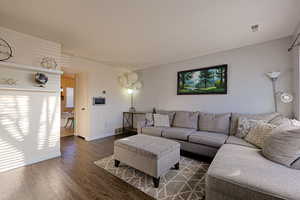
(90, 138)
(39, 157)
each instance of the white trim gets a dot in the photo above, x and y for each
(37, 89)
(90, 138)
(30, 68)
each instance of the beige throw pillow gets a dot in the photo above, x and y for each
(161, 120)
(284, 148)
(235, 116)
(149, 119)
(171, 115)
(245, 125)
(258, 134)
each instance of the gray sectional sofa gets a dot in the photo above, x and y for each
(238, 170)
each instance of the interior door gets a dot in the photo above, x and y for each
(81, 105)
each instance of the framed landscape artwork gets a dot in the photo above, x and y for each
(209, 80)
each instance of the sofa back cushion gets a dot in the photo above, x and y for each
(186, 119)
(218, 123)
(267, 117)
(284, 148)
(161, 120)
(171, 115)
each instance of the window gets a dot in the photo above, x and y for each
(70, 98)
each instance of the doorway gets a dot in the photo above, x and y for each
(68, 86)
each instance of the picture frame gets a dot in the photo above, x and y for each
(207, 80)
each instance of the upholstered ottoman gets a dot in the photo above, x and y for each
(151, 155)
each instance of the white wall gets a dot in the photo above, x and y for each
(29, 121)
(249, 90)
(30, 50)
(103, 119)
(296, 72)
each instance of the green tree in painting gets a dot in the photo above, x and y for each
(185, 77)
(221, 75)
(206, 76)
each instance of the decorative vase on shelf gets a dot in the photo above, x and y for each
(49, 63)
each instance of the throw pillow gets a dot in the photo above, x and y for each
(235, 116)
(149, 119)
(161, 120)
(258, 134)
(171, 115)
(280, 120)
(245, 125)
(284, 148)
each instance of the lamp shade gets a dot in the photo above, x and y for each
(122, 80)
(129, 91)
(286, 97)
(132, 78)
(273, 75)
(138, 85)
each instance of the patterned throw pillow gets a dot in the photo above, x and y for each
(161, 120)
(149, 119)
(245, 125)
(258, 134)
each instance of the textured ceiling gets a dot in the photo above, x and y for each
(145, 33)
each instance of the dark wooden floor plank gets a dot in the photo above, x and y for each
(72, 176)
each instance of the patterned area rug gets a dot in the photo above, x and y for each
(187, 183)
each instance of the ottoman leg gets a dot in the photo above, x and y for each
(156, 182)
(117, 163)
(176, 166)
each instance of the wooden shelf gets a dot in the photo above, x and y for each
(13, 88)
(30, 68)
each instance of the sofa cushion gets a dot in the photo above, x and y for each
(218, 123)
(186, 119)
(208, 138)
(259, 134)
(171, 115)
(235, 116)
(283, 148)
(238, 141)
(239, 172)
(161, 120)
(154, 131)
(147, 146)
(280, 120)
(177, 133)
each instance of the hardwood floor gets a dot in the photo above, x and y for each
(72, 176)
(66, 131)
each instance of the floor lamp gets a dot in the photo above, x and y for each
(132, 108)
(274, 76)
(284, 97)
